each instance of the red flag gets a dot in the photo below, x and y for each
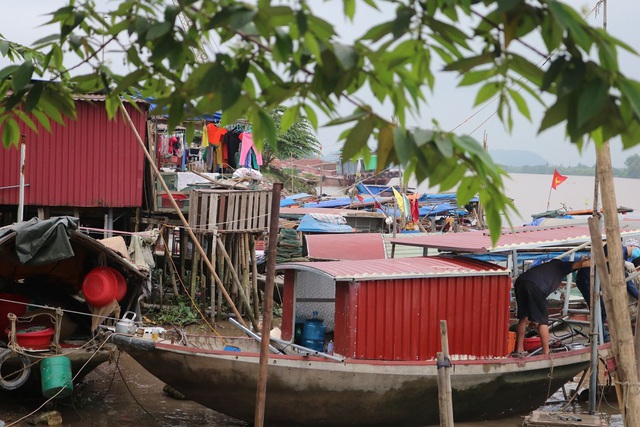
(557, 179)
(415, 210)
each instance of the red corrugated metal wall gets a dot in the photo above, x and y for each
(400, 319)
(89, 162)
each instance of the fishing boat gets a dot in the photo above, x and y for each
(374, 362)
(44, 312)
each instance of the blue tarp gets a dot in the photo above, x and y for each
(292, 200)
(310, 225)
(441, 209)
(338, 202)
(425, 198)
(539, 221)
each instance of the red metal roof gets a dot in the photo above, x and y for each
(398, 268)
(519, 239)
(345, 246)
(89, 162)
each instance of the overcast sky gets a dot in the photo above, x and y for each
(452, 107)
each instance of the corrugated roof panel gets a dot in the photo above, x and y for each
(520, 238)
(356, 246)
(385, 269)
(89, 162)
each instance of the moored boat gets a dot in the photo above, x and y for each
(382, 319)
(315, 391)
(43, 310)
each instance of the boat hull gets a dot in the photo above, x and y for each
(83, 362)
(313, 391)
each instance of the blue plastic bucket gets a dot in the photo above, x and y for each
(56, 376)
(313, 334)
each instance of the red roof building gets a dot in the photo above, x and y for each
(90, 162)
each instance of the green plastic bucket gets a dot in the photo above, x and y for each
(56, 376)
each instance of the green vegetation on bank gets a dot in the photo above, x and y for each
(631, 169)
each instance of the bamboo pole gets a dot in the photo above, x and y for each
(261, 394)
(183, 253)
(179, 212)
(172, 272)
(194, 273)
(601, 267)
(444, 379)
(254, 273)
(245, 271)
(236, 280)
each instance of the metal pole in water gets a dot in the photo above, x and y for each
(23, 154)
(444, 379)
(261, 393)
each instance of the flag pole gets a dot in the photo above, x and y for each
(549, 199)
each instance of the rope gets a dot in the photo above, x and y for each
(193, 303)
(28, 304)
(124, 381)
(59, 391)
(550, 376)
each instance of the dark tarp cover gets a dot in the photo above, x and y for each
(43, 241)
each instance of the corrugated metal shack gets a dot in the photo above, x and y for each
(89, 167)
(390, 309)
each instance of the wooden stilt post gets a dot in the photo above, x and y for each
(236, 280)
(183, 254)
(444, 379)
(261, 394)
(194, 273)
(254, 273)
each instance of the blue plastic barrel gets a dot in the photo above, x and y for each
(313, 333)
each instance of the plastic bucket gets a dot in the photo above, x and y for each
(532, 343)
(56, 376)
(313, 334)
(100, 286)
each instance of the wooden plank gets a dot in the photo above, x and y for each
(267, 208)
(258, 211)
(202, 218)
(250, 198)
(222, 210)
(231, 212)
(212, 218)
(193, 206)
(558, 419)
(244, 214)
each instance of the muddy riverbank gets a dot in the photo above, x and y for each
(116, 395)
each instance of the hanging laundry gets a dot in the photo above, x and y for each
(230, 148)
(247, 149)
(214, 134)
(205, 137)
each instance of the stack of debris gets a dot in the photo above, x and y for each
(289, 246)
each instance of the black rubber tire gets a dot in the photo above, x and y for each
(5, 355)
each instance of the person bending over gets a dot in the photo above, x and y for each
(532, 289)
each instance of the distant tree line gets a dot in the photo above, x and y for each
(631, 169)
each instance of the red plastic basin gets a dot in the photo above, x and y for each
(100, 286)
(532, 343)
(33, 337)
(121, 290)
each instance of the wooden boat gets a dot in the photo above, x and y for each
(316, 391)
(42, 268)
(383, 318)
